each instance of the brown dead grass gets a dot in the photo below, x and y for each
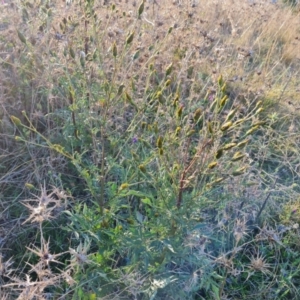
(256, 44)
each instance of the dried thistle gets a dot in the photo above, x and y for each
(196, 241)
(31, 289)
(239, 230)
(45, 256)
(270, 235)
(134, 280)
(259, 264)
(46, 205)
(227, 263)
(79, 257)
(5, 267)
(68, 278)
(191, 282)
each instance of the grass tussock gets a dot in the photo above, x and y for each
(149, 150)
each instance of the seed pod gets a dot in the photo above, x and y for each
(115, 50)
(141, 8)
(197, 115)
(209, 127)
(243, 143)
(151, 67)
(72, 52)
(159, 96)
(220, 81)
(223, 101)
(212, 165)
(29, 186)
(259, 110)
(160, 151)
(231, 115)
(104, 224)
(62, 27)
(179, 112)
(120, 89)
(175, 101)
(18, 138)
(258, 103)
(142, 168)
(16, 120)
(130, 221)
(129, 38)
(25, 14)
(177, 131)
(22, 37)
(239, 171)
(218, 180)
(169, 69)
(136, 55)
(229, 146)
(190, 132)
(253, 129)
(82, 59)
(237, 156)
(129, 100)
(190, 71)
(124, 186)
(223, 88)
(168, 82)
(226, 125)
(159, 142)
(219, 153)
